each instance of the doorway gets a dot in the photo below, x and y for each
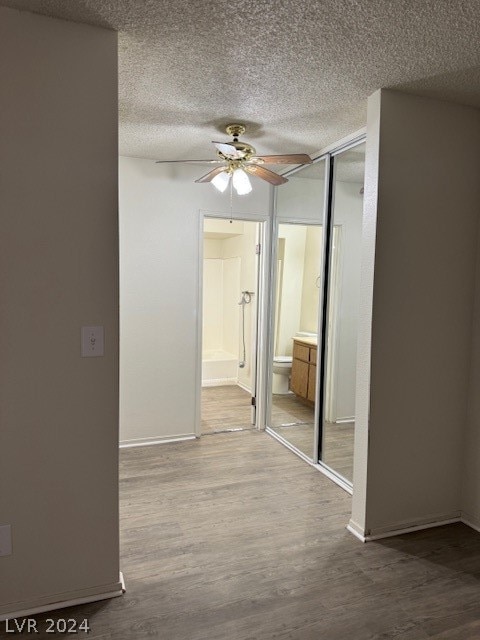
(231, 289)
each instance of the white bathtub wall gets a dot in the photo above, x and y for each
(212, 248)
(243, 247)
(212, 304)
(221, 283)
(290, 307)
(231, 293)
(301, 264)
(219, 368)
(311, 274)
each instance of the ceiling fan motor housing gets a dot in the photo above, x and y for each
(236, 130)
(246, 148)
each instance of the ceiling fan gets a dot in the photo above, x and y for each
(238, 159)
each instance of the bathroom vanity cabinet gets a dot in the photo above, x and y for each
(304, 368)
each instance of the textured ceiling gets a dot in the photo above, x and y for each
(296, 72)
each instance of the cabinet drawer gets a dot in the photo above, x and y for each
(313, 355)
(301, 352)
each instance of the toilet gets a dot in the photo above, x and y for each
(282, 367)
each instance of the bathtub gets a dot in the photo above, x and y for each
(219, 368)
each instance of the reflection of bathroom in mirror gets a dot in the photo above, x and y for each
(295, 333)
(299, 274)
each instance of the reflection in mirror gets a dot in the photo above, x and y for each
(296, 308)
(342, 312)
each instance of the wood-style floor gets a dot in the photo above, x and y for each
(225, 408)
(231, 537)
(337, 444)
(228, 407)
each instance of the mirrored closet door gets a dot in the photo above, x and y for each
(341, 310)
(296, 298)
(317, 235)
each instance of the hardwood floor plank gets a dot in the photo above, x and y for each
(226, 407)
(232, 537)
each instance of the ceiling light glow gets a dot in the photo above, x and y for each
(221, 181)
(241, 183)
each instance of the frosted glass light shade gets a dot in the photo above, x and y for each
(241, 183)
(221, 181)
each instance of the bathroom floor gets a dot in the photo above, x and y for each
(225, 408)
(228, 407)
(288, 410)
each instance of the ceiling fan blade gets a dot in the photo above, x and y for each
(208, 177)
(229, 150)
(292, 158)
(265, 174)
(190, 161)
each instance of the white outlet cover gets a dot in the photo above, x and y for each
(5, 540)
(92, 342)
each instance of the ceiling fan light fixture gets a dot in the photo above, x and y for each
(238, 159)
(221, 181)
(241, 182)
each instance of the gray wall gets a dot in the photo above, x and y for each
(58, 271)
(471, 460)
(160, 238)
(422, 206)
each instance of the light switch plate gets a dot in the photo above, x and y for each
(5, 540)
(92, 342)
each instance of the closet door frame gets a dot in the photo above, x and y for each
(329, 157)
(325, 310)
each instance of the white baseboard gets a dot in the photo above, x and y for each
(219, 382)
(471, 521)
(244, 387)
(144, 442)
(357, 531)
(345, 420)
(402, 528)
(60, 601)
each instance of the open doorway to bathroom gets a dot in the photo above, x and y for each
(230, 292)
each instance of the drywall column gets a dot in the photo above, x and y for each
(58, 272)
(422, 202)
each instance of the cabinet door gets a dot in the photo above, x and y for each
(299, 378)
(312, 382)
